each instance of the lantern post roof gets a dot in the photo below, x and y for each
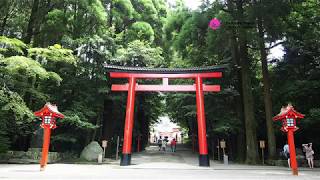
(49, 108)
(288, 111)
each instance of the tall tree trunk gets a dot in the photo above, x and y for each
(110, 14)
(4, 23)
(250, 124)
(31, 23)
(144, 123)
(75, 28)
(94, 131)
(241, 148)
(267, 93)
(108, 120)
(211, 137)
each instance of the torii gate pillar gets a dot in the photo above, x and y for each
(128, 126)
(202, 134)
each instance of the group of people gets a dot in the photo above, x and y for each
(307, 148)
(162, 143)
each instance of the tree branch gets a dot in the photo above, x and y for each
(276, 44)
(252, 47)
(225, 10)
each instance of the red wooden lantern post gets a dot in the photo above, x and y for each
(289, 116)
(48, 115)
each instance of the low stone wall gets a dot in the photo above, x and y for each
(31, 156)
(301, 163)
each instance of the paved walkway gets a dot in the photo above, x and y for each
(184, 157)
(154, 164)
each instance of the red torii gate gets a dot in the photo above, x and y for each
(134, 73)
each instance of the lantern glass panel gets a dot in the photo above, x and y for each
(290, 122)
(47, 119)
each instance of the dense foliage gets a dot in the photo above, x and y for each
(55, 51)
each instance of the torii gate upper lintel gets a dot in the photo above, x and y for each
(134, 73)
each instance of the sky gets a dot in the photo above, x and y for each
(192, 4)
(276, 52)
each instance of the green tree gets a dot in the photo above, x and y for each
(139, 54)
(141, 30)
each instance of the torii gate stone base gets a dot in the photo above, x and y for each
(133, 74)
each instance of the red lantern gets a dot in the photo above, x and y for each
(288, 115)
(48, 114)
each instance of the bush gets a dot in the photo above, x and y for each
(4, 142)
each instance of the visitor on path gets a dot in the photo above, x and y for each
(159, 143)
(164, 145)
(307, 148)
(173, 145)
(286, 152)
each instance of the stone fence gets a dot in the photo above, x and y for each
(33, 155)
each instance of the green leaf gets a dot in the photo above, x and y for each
(53, 54)
(20, 65)
(11, 46)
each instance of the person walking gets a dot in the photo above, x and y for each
(173, 145)
(307, 148)
(164, 144)
(159, 143)
(286, 152)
